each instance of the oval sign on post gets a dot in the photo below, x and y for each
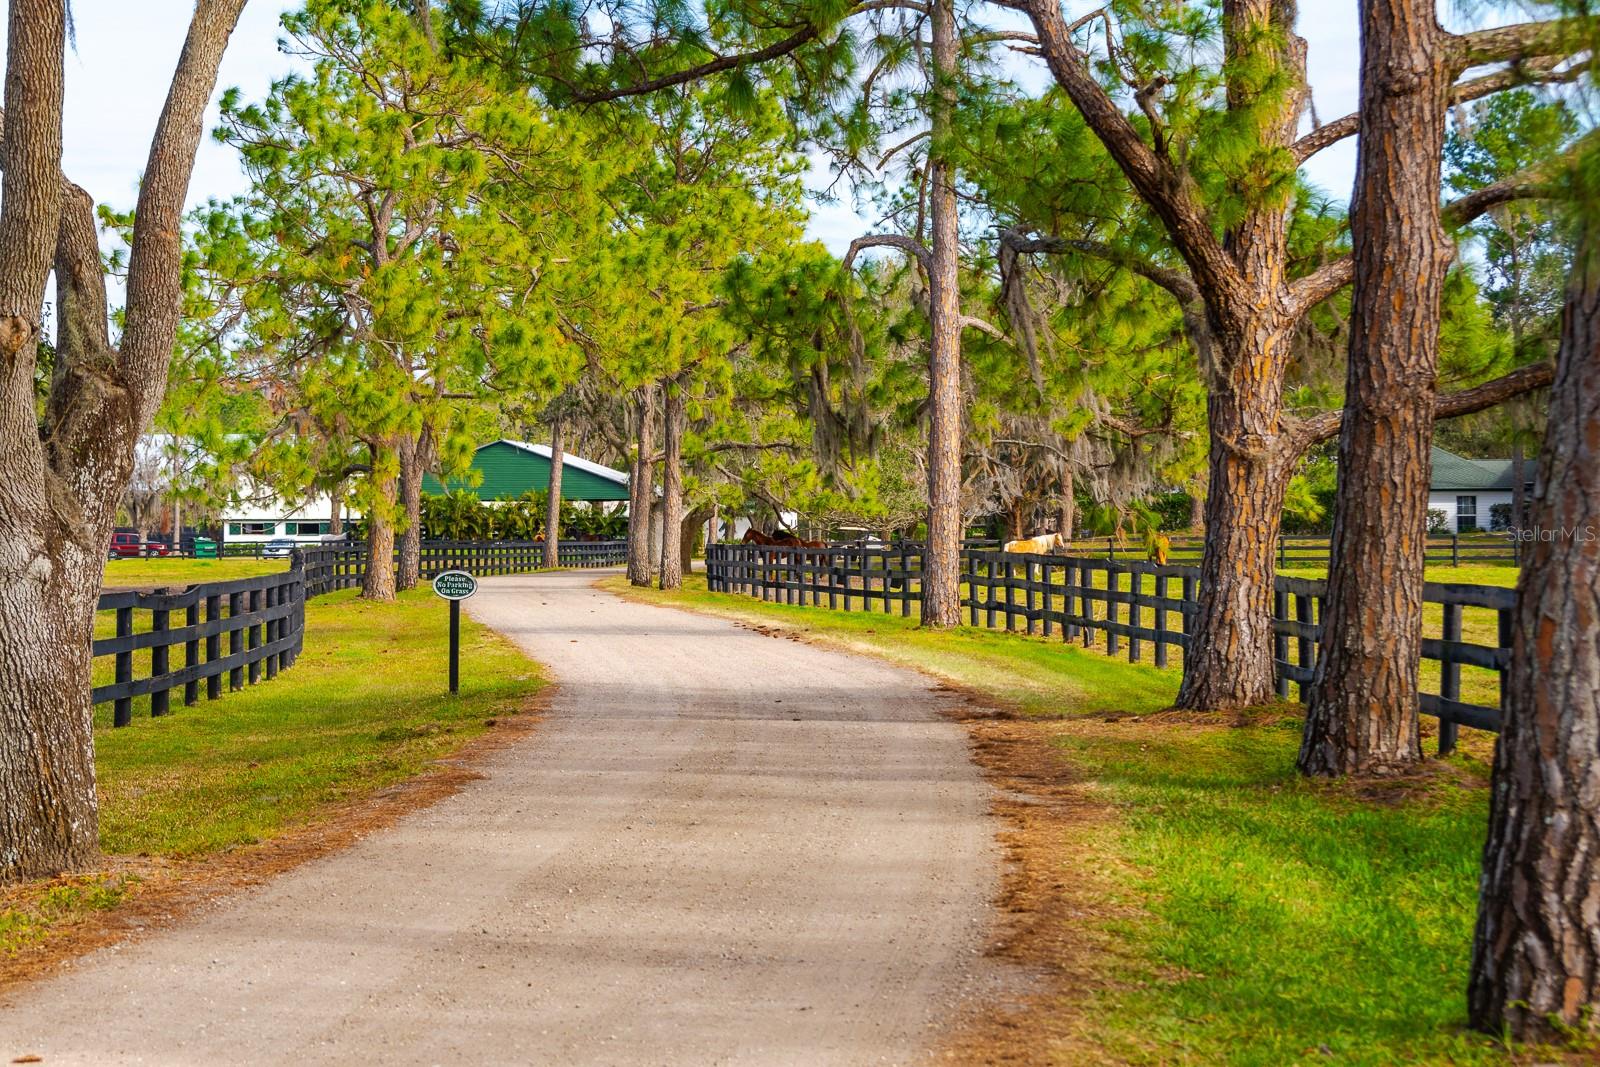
(455, 585)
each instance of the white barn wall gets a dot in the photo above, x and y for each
(1445, 500)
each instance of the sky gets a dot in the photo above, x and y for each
(118, 75)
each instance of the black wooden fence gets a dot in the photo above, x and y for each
(248, 629)
(1133, 605)
(262, 620)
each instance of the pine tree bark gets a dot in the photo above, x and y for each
(941, 567)
(641, 489)
(378, 582)
(1536, 952)
(62, 474)
(1069, 505)
(552, 517)
(415, 455)
(336, 510)
(672, 489)
(1363, 717)
(1228, 662)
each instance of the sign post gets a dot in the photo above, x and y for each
(455, 586)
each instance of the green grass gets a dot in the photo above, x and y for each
(142, 573)
(1277, 921)
(363, 707)
(1285, 922)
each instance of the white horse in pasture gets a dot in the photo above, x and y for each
(1043, 545)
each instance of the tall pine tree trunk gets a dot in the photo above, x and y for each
(1228, 662)
(336, 510)
(641, 488)
(1363, 714)
(552, 518)
(1069, 504)
(414, 458)
(1536, 953)
(378, 583)
(941, 574)
(672, 489)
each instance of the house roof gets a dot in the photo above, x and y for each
(1453, 472)
(510, 468)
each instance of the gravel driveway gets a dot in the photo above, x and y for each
(719, 847)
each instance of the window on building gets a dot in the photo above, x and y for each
(257, 528)
(305, 529)
(235, 529)
(1466, 513)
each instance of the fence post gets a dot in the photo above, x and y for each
(1305, 651)
(1449, 679)
(160, 661)
(1069, 572)
(905, 583)
(213, 646)
(191, 653)
(1283, 552)
(1113, 639)
(988, 589)
(1011, 600)
(122, 710)
(235, 638)
(972, 589)
(1280, 641)
(1135, 591)
(1185, 615)
(1506, 631)
(1163, 584)
(271, 594)
(254, 639)
(1049, 597)
(1455, 549)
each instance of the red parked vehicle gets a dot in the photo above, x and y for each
(128, 545)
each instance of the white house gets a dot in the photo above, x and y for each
(1468, 490)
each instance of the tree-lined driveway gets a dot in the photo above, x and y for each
(717, 848)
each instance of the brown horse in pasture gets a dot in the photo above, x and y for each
(782, 539)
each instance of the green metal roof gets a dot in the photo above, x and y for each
(1451, 471)
(511, 468)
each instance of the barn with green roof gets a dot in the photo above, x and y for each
(504, 470)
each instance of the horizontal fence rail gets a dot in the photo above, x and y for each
(1132, 605)
(244, 631)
